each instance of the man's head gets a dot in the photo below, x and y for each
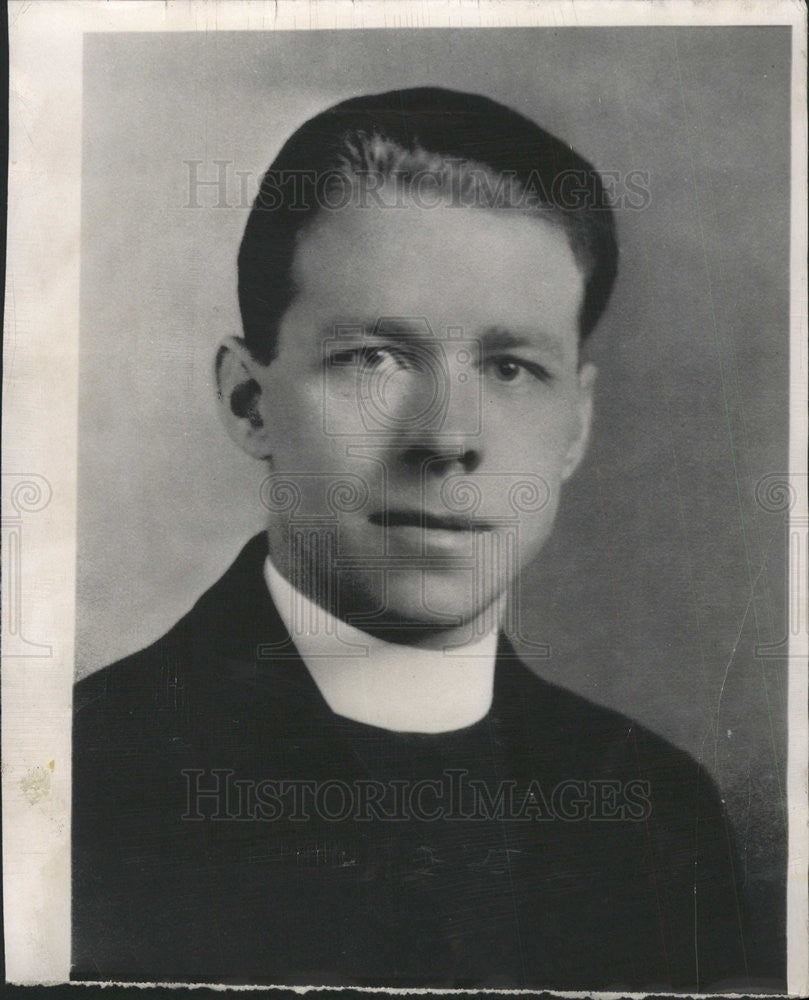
(483, 152)
(415, 277)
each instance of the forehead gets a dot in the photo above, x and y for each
(475, 268)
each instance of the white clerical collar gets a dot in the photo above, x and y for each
(385, 684)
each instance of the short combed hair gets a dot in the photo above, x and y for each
(467, 147)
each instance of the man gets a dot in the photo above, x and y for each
(334, 769)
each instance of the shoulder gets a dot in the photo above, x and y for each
(216, 624)
(127, 678)
(575, 722)
(653, 809)
(571, 738)
(192, 679)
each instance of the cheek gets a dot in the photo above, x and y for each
(531, 439)
(536, 527)
(294, 414)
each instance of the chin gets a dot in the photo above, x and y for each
(437, 600)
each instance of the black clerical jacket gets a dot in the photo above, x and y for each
(228, 827)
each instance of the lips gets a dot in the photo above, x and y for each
(424, 520)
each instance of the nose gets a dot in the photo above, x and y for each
(441, 458)
(451, 440)
(435, 409)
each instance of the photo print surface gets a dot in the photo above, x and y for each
(435, 509)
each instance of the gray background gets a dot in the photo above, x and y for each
(664, 573)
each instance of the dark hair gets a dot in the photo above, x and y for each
(466, 144)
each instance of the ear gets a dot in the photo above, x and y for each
(238, 381)
(584, 413)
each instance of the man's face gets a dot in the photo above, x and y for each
(424, 408)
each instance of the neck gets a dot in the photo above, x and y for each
(421, 635)
(349, 603)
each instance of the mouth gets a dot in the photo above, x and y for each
(427, 522)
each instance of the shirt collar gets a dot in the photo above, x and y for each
(386, 684)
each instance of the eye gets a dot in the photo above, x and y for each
(355, 357)
(508, 369)
(345, 358)
(370, 358)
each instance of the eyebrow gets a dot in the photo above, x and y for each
(492, 338)
(377, 327)
(502, 338)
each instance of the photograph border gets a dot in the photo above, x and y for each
(41, 400)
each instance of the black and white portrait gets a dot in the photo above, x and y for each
(433, 484)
